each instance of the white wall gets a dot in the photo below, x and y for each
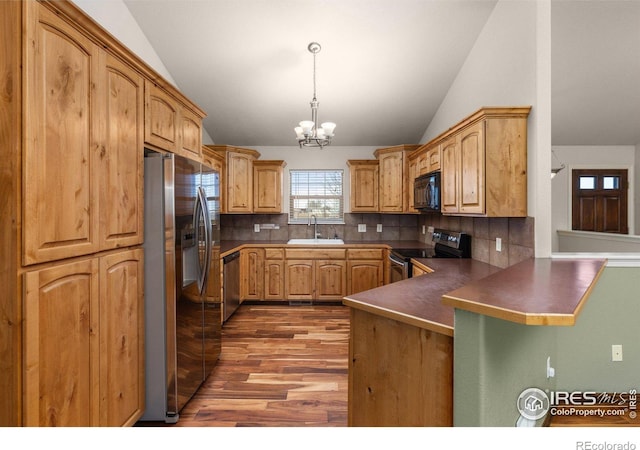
(114, 16)
(313, 158)
(588, 157)
(636, 181)
(509, 65)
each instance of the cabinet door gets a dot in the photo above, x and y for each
(274, 280)
(191, 134)
(391, 194)
(60, 213)
(239, 183)
(121, 338)
(267, 188)
(299, 279)
(472, 165)
(450, 174)
(364, 275)
(61, 380)
(364, 186)
(161, 119)
(252, 274)
(121, 208)
(331, 280)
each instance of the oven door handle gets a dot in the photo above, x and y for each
(396, 260)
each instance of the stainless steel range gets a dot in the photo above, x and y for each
(448, 244)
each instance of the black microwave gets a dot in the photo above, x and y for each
(426, 192)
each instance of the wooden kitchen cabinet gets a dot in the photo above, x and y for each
(73, 121)
(274, 274)
(365, 269)
(300, 279)
(363, 176)
(331, 279)
(393, 194)
(84, 342)
(170, 125)
(61, 350)
(122, 360)
(251, 274)
(450, 175)
(122, 162)
(315, 274)
(267, 186)
(238, 178)
(484, 164)
(62, 143)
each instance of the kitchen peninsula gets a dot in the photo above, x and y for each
(402, 335)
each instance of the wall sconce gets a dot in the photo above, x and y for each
(555, 171)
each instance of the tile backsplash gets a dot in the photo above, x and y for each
(517, 234)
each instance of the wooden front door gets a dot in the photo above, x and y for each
(599, 200)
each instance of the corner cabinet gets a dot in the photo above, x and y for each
(484, 164)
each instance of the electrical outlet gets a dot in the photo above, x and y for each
(423, 229)
(379, 228)
(256, 228)
(362, 228)
(616, 353)
(498, 244)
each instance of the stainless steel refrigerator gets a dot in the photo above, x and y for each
(182, 292)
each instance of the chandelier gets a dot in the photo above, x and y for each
(308, 134)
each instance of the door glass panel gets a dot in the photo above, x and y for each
(611, 182)
(588, 182)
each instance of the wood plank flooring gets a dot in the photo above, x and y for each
(280, 365)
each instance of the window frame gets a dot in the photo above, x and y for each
(293, 220)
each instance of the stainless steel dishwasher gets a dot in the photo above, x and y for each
(231, 284)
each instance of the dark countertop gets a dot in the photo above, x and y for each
(227, 247)
(418, 301)
(539, 291)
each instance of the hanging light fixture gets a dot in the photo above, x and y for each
(308, 133)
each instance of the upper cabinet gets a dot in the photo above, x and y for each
(364, 185)
(170, 125)
(484, 164)
(83, 145)
(381, 185)
(393, 194)
(250, 185)
(267, 186)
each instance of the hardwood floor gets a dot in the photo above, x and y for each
(280, 365)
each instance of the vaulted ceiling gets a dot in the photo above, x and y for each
(385, 65)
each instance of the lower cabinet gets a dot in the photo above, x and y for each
(364, 275)
(84, 342)
(251, 274)
(310, 274)
(274, 274)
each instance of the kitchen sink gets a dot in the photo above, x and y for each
(316, 241)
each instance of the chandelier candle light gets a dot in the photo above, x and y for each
(308, 134)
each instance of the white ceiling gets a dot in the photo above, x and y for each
(385, 65)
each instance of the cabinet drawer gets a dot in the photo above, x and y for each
(274, 253)
(364, 253)
(306, 253)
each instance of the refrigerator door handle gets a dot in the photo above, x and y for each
(202, 211)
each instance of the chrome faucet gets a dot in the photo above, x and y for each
(316, 235)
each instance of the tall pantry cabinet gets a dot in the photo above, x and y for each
(71, 264)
